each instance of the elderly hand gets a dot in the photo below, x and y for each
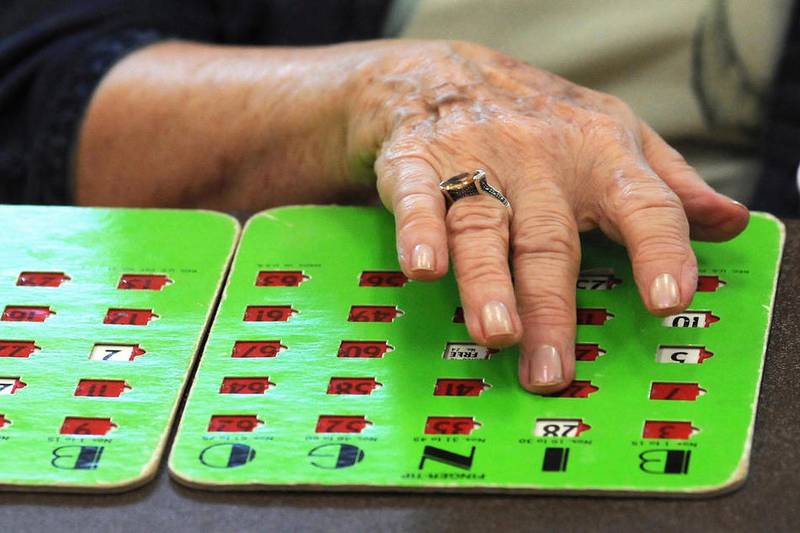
(569, 159)
(226, 127)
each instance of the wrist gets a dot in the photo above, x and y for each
(228, 127)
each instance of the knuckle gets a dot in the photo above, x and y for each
(417, 205)
(394, 169)
(640, 197)
(677, 164)
(547, 307)
(421, 223)
(546, 262)
(652, 220)
(651, 209)
(463, 220)
(480, 273)
(383, 164)
(656, 246)
(553, 234)
(598, 124)
(545, 183)
(400, 155)
(617, 104)
(467, 48)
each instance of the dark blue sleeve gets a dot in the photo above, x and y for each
(777, 188)
(53, 53)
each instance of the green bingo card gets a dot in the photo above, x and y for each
(102, 314)
(327, 369)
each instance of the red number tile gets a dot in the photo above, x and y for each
(233, 423)
(342, 423)
(364, 349)
(659, 429)
(373, 313)
(268, 313)
(42, 279)
(576, 389)
(593, 316)
(23, 313)
(459, 387)
(240, 385)
(280, 278)
(253, 349)
(675, 391)
(588, 352)
(21, 349)
(352, 385)
(75, 425)
(129, 317)
(143, 282)
(101, 388)
(450, 425)
(709, 283)
(379, 278)
(600, 280)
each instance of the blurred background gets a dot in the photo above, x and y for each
(698, 71)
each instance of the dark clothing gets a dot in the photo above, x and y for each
(777, 189)
(54, 52)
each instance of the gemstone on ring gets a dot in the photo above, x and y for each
(470, 184)
(460, 186)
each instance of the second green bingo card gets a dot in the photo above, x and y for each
(327, 369)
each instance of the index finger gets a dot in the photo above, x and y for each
(409, 187)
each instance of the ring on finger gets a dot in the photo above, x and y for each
(471, 184)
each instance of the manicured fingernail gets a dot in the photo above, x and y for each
(738, 204)
(731, 200)
(422, 258)
(545, 366)
(664, 292)
(496, 320)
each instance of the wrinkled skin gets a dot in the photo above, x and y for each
(196, 125)
(568, 158)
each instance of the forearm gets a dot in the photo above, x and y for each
(184, 124)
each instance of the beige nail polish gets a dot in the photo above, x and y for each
(738, 204)
(664, 292)
(545, 363)
(422, 258)
(496, 320)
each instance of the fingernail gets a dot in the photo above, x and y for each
(731, 200)
(545, 366)
(422, 258)
(664, 292)
(496, 320)
(738, 204)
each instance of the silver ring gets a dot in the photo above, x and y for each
(471, 184)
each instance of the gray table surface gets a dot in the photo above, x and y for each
(769, 500)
